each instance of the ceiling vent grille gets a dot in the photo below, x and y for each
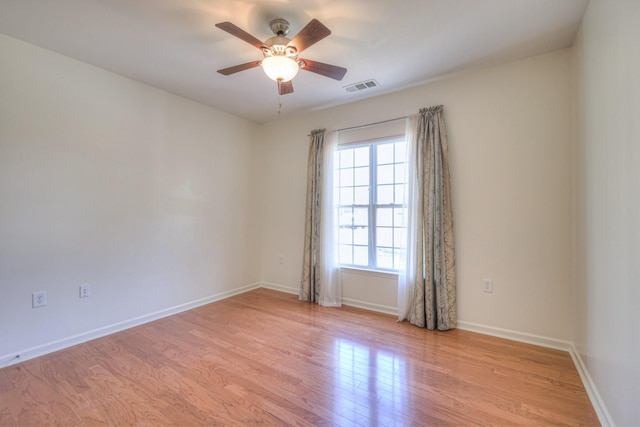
(357, 87)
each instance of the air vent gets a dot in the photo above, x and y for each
(356, 87)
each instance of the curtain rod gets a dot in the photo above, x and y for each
(370, 124)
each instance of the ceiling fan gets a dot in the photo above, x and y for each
(281, 62)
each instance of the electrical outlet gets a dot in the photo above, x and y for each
(487, 285)
(85, 291)
(38, 299)
(281, 258)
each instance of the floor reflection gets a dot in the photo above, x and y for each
(369, 384)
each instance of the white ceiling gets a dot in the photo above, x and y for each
(174, 45)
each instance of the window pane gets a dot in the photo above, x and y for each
(346, 217)
(346, 235)
(384, 217)
(361, 196)
(399, 190)
(361, 236)
(399, 172)
(401, 152)
(346, 196)
(385, 194)
(346, 177)
(384, 258)
(384, 236)
(361, 255)
(362, 156)
(385, 153)
(361, 216)
(398, 259)
(399, 217)
(361, 176)
(399, 237)
(385, 174)
(346, 158)
(346, 257)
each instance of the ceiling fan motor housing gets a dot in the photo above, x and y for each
(278, 45)
(280, 27)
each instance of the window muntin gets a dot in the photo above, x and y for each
(370, 179)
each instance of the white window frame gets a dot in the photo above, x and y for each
(373, 206)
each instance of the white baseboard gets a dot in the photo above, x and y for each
(515, 335)
(370, 306)
(596, 400)
(41, 350)
(281, 288)
(345, 301)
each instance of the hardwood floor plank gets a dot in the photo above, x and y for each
(265, 358)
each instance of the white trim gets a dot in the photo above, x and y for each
(41, 350)
(9, 359)
(345, 301)
(515, 335)
(281, 288)
(370, 306)
(596, 400)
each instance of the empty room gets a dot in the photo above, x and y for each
(319, 212)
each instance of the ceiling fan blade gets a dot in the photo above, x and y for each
(312, 33)
(285, 87)
(241, 67)
(327, 70)
(234, 30)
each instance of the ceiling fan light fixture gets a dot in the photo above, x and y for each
(280, 68)
(281, 62)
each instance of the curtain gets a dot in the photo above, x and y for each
(407, 275)
(427, 286)
(320, 280)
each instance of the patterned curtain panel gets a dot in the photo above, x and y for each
(310, 282)
(434, 289)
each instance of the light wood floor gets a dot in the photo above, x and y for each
(263, 357)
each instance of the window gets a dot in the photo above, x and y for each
(370, 180)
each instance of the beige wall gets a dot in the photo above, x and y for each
(607, 321)
(141, 194)
(510, 142)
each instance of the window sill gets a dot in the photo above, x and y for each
(374, 273)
